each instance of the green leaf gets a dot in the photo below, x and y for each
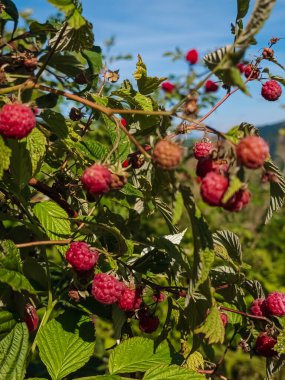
(5, 154)
(36, 145)
(231, 243)
(65, 63)
(10, 256)
(16, 280)
(173, 372)
(10, 12)
(94, 150)
(195, 361)
(138, 354)
(234, 186)
(141, 69)
(118, 318)
(74, 39)
(166, 212)
(147, 85)
(277, 190)
(21, 166)
(7, 321)
(47, 101)
(62, 352)
(130, 190)
(103, 377)
(94, 59)
(66, 6)
(242, 6)
(212, 60)
(56, 122)
(278, 79)
(280, 345)
(207, 257)
(13, 353)
(213, 327)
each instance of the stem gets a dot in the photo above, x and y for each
(43, 242)
(245, 314)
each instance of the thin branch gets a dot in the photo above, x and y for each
(245, 314)
(43, 242)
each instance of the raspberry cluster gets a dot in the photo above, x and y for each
(272, 305)
(16, 120)
(81, 256)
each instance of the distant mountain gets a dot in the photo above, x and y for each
(274, 134)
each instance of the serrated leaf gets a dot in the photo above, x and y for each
(242, 6)
(56, 122)
(147, 85)
(65, 63)
(140, 70)
(280, 345)
(94, 58)
(13, 353)
(7, 321)
(195, 361)
(213, 327)
(233, 318)
(138, 354)
(74, 39)
(5, 154)
(173, 372)
(278, 79)
(231, 242)
(118, 318)
(207, 257)
(130, 190)
(212, 60)
(16, 280)
(21, 166)
(94, 150)
(66, 6)
(10, 256)
(234, 186)
(10, 12)
(36, 145)
(166, 212)
(178, 209)
(104, 377)
(176, 238)
(62, 352)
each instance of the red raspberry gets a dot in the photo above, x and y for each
(271, 90)
(130, 299)
(31, 317)
(265, 344)
(126, 163)
(252, 151)
(106, 288)
(192, 56)
(202, 149)
(213, 188)
(241, 67)
(118, 181)
(274, 304)
(124, 122)
(81, 256)
(211, 86)
(251, 71)
(238, 201)
(158, 297)
(182, 293)
(168, 87)
(167, 154)
(16, 120)
(147, 323)
(207, 165)
(257, 307)
(96, 179)
(224, 318)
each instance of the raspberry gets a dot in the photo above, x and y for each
(31, 317)
(167, 154)
(207, 165)
(238, 201)
(192, 56)
(211, 86)
(124, 122)
(182, 293)
(252, 151)
(126, 163)
(274, 304)
(75, 114)
(31, 63)
(251, 71)
(213, 188)
(257, 307)
(202, 149)
(267, 53)
(271, 90)
(118, 181)
(106, 288)
(96, 179)
(147, 323)
(265, 344)
(81, 256)
(130, 299)
(16, 120)
(224, 319)
(158, 297)
(241, 67)
(168, 87)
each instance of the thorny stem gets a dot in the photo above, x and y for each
(245, 314)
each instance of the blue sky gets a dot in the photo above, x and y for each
(152, 27)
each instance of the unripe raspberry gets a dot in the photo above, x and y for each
(118, 181)
(81, 256)
(130, 299)
(224, 319)
(167, 154)
(192, 56)
(31, 317)
(96, 179)
(238, 201)
(274, 304)
(265, 344)
(251, 71)
(74, 295)
(207, 165)
(147, 323)
(257, 307)
(106, 288)
(271, 90)
(211, 86)
(168, 87)
(213, 188)
(124, 122)
(202, 149)
(252, 151)
(16, 120)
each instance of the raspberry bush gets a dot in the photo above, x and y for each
(119, 254)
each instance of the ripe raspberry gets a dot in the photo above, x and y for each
(126, 163)
(207, 165)
(168, 87)
(257, 307)
(31, 317)
(130, 299)
(224, 318)
(241, 67)
(81, 256)
(147, 323)
(252, 151)
(124, 122)
(167, 154)
(16, 121)
(265, 344)
(213, 188)
(106, 288)
(274, 304)
(211, 86)
(118, 181)
(238, 201)
(251, 71)
(182, 293)
(202, 149)
(192, 56)
(96, 179)
(271, 90)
